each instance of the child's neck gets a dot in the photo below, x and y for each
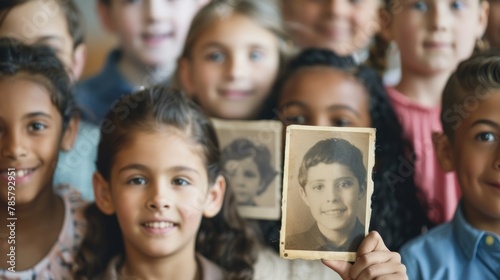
(44, 216)
(180, 265)
(139, 75)
(481, 222)
(424, 89)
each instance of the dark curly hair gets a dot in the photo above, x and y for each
(225, 239)
(43, 66)
(398, 207)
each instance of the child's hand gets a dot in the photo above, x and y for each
(373, 261)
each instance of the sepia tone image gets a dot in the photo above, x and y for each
(327, 191)
(251, 158)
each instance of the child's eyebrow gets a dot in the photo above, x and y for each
(343, 107)
(132, 166)
(486, 122)
(141, 167)
(293, 103)
(212, 45)
(37, 114)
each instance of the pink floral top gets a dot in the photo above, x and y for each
(60, 261)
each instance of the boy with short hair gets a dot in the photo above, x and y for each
(468, 247)
(49, 22)
(332, 177)
(59, 25)
(151, 35)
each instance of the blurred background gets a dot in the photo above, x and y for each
(99, 42)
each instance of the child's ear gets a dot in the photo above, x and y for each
(185, 75)
(104, 12)
(303, 195)
(69, 134)
(102, 194)
(79, 57)
(444, 151)
(215, 198)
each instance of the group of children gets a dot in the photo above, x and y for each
(165, 210)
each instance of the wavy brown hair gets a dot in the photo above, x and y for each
(225, 239)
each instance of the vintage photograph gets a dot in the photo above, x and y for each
(251, 158)
(327, 190)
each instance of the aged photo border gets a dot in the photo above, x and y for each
(260, 131)
(315, 134)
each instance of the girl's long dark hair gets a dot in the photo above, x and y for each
(223, 239)
(398, 207)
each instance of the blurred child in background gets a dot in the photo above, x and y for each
(36, 121)
(150, 37)
(343, 26)
(468, 247)
(432, 37)
(233, 53)
(58, 25)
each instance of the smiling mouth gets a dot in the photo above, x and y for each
(159, 225)
(335, 212)
(157, 38)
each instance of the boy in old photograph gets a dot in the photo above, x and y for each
(332, 178)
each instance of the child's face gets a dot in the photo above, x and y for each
(324, 97)
(344, 26)
(332, 194)
(30, 137)
(435, 35)
(244, 179)
(232, 67)
(44, 22)
(493, 31)
(475, 156)
(150, 32)
(159, 192)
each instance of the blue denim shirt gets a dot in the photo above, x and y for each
(95, 95)
(454, 250)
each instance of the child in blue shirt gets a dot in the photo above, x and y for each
(150, 35)
(468, 247)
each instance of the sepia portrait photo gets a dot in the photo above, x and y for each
(327, 191)
(251, 159)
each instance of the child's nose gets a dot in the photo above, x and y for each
(238, 67)
(156, 9)
(332, 195)
(439, 17)
(13, 146)
(159, 200)
(338, 8)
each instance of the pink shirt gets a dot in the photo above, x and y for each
(419, 122)
(60, 261)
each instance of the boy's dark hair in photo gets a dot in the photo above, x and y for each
(472, 82)
(334, 150)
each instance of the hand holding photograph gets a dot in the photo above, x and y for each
(327, 189)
